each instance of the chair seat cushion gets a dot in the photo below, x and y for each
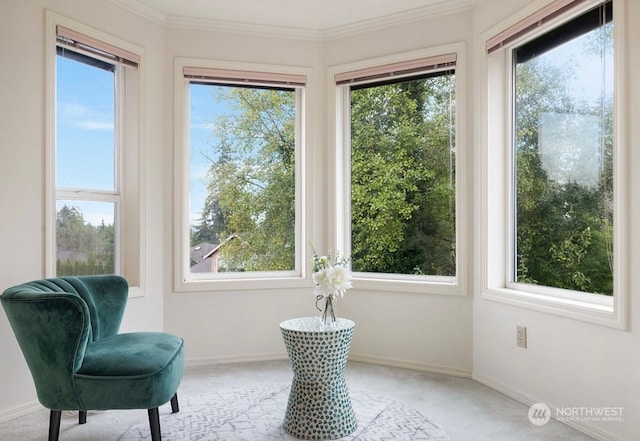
(130, 354)
(130, 371)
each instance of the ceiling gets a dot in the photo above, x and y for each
(310, 16)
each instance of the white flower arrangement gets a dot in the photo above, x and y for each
(332, 278)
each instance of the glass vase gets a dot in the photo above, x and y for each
(328, 313)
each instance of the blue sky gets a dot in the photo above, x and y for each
(84, 128)
(203, 110)
(84, 135)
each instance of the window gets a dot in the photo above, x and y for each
(95, 198)
(563, 150)
(563, 211)
(401, 160)
(242, 155)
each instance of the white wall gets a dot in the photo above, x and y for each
(567, 363)
(22, 138)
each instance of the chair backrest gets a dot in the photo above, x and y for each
(55, 319)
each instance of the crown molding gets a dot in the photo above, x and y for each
(203, 24)
(400, 18)
(142, 10)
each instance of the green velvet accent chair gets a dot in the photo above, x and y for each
(67, 329)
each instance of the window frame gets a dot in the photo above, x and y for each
(184, 280)
(338, 105)
(496, 238)
(129, 189)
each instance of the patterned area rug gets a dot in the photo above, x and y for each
(255, 413)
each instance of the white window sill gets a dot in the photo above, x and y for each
(408, 284)
(241, 284)
(604, 312)
(136, 291)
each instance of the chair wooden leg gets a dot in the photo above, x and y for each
(82, 417)
(154, 424)
(54, 425)
(175, 408)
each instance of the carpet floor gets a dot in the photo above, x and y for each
(465, 409)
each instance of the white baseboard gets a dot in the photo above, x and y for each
(210, 361)
(359, 358)
(405, 364)
(528, 400)
(16, 412)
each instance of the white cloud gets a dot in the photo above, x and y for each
(94, 125)
(199, 172)
(202, 126)
(78, 115)
(96, 218)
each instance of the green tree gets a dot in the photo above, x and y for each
(251, 200)
(563, 227)
(402, 177)
(96, 243)
(71, 230)
(403, 193)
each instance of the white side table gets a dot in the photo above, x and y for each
(319, 405)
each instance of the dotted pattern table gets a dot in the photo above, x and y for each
(319, 406)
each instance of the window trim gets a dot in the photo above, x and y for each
(125, 208)
(184, 281)
(339, 176)
(494, 195)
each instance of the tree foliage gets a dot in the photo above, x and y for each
(402, 177)
(564, 226)
(403, 197)
(92, 248)
(251, 187)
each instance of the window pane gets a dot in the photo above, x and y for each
(84, 122)
(403, 177)
(242, 178)
(85, 238)
(564, 157)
